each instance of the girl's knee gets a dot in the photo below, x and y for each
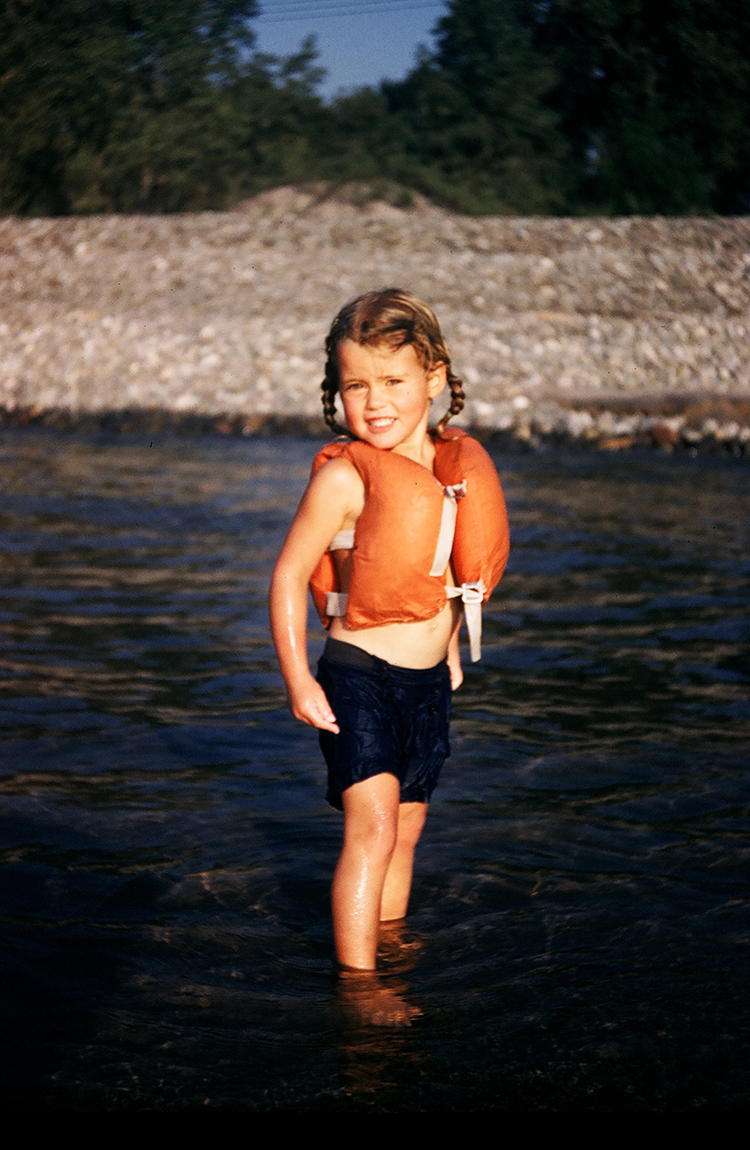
(376, 836)
(371, 817)
(411, 820)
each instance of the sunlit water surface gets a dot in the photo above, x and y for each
(579, 934)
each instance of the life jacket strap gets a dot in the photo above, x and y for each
(472, 596)
(342, 541)
(447, 527)
(336, 603)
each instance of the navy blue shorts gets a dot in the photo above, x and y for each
(393, 720)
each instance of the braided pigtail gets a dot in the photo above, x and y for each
(329, 389)
(330, 385)
(457, 400)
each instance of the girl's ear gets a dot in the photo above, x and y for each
(437, 378)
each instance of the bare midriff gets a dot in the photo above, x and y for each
(416, 645)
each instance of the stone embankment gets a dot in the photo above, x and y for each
(616, 332)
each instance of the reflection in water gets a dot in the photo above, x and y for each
(369, 999)
(579, 922)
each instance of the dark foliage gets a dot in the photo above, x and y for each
(525, 106)
(144, 105)
(476, 108)
(654, 99)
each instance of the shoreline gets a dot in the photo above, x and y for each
(718, 427)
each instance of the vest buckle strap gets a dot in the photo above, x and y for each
(447, 527)
(472, 596)
(336, 603)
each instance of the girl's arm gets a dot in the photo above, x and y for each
(333, 498)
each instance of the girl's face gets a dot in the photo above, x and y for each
(387, 394)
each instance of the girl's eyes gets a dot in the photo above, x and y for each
(356, 385)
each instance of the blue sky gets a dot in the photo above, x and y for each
(361, 42)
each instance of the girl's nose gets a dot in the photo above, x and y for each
(376, 398)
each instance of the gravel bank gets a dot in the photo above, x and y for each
(602, 329)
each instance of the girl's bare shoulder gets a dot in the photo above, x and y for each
(337, 478)
(334, 494)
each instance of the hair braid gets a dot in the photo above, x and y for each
(457, 399)
(329, 387)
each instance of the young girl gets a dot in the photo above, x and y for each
(398, 530)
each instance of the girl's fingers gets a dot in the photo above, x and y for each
(322, 722)
(322, 717)
(326, 720)
(316, 712)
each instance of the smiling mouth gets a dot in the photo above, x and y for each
(381, 424)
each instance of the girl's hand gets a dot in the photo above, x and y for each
(308, 702)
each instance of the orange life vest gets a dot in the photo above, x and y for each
(413, 523)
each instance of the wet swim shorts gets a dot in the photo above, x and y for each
(392, 719)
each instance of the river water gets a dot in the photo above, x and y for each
(579, 934)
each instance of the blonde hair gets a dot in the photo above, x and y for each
(393, 317)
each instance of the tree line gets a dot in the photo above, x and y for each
(521, 106)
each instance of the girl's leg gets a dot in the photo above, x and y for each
(397, 886)
(371, 822)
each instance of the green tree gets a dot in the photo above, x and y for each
(84, 83)
(654, 99)
(614, 106)
(476, 109)
(530, 106)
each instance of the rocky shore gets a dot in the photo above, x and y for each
(613, 332)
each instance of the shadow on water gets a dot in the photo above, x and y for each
(579, 932)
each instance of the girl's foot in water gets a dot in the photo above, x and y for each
(368, 1000)
(398, 947)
